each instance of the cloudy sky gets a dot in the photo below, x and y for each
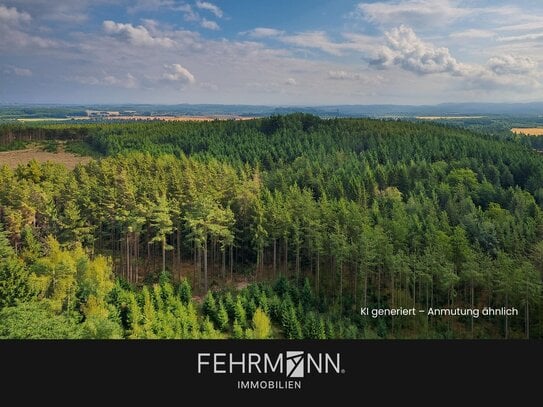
(285, 52)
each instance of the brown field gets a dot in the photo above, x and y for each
(14, 158)
(448, 117)
(529, 131)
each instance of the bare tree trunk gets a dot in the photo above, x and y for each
(205, 264)
(286, 256)
(137, 250)
(164, 254)
(298, 263)
(275, 257)
(223, 271)
(128, 274)
(318, 274)
(179, 251)
(356, 285)
(365, 288)
(231, 262)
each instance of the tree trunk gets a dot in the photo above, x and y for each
(223, 270)
(318, 274)
(179, 251)
(286, 256)
(298, 263)
(356, 285)
(137, 250)
(341, 286)
(275, 257)
(366, 288)
(231, 262)
(164, 254)
(128, 274)
(205, 264)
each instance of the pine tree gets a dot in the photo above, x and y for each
(261, 325)
(239, 313)
(237, 330)
(185, 291)
(210, 306)
(163, 225)
(222, 317)
(5, 248)
(14, 286)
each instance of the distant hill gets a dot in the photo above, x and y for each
(445, 109)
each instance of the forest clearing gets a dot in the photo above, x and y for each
(17, 157)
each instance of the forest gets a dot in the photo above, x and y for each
(280, 227)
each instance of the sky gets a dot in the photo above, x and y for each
(271, 52)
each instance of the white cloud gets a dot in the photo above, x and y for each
(263, 32)
(473, 33)
(319, 40)
(11, 16)
(522, 38)
(209, 86)
(403, 48)
(314, 39)
(15, 70)
(210, 25)
(412, 12)
(291, 82)
(141, 5)
(139, 35)
(177, 72)
(204, 5)
(512, 64)
(22, 71)
(525, 26)
(188, 13)
(127, 81)
(343, 75)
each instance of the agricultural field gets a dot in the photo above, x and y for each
(529, 131)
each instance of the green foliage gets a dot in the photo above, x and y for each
(14, 287)
(185, 291)
(334, 215)
(240, 315)
(261, 325)
(237, 330)
(35, 320)
(222, 317)
(209, 306)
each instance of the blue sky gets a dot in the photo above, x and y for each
(284, 52)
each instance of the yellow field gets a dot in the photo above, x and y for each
(46, 119)
(529, 131)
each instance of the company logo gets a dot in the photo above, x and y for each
(291, 365)
(295, 366)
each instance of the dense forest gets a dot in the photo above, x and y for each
(280, 227)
